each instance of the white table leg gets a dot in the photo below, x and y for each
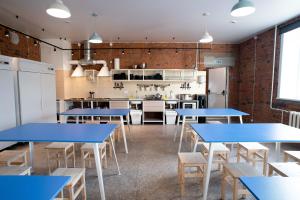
(99, 170)
(77, 119)
(208, 170)
(181, 134)
(228, 119)
(241, 119)
(31, 153)
(113, 147)
(124, 134)
(196, 143)
(128, 124)
(177, 127)
(277, 150)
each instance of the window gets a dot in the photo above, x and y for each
(289, 67)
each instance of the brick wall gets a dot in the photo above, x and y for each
(25, 48)
(261, 111)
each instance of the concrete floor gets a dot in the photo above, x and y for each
(149, 170)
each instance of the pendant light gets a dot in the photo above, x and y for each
(242, 8)
(95, 37)
(78, 72)
(103, 71)
(59, 10)
(206, 38)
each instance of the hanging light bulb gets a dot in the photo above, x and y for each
(78, 72)
(242, 8)
(59, 10)
(149, 51)
(95, 37)
(123, 51)
(206, 38)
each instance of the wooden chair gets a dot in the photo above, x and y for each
(60, 152)
(13, 158)
(294, 155)
(189, 160)
(285, 169)
(77, 183)
(87, 154)
(221, 153)
(253, 152)
(15, 170)
(231, 174)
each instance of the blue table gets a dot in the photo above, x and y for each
(53, 132)
(206, 112)
(77, 112)
(265, 133)
(274, 188)
(31, 187)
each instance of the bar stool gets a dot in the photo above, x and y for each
(231, 174)
(285, 169)
(15, 170)
(60, 151)
(13, 158)
(221, 153)
(294, 155)
(253, 152)
(77, 183)
(188, 160)
(87, 154)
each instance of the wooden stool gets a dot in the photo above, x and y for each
(13, 158)
(117, 134)
(221, 153)
(285, 169)
(15, 170)
(253, 152)
(60, 151)
(87, 154)
(231, 174)
(190, 160)
(77, 179)
(294, 155)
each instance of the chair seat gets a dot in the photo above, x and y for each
(114, 122)
(191, 158)
(286, 168)
(75, 173)
(59, 145)
(241, 169)
(294, 154)
(218, 147)
(11, 155)
(253, 146)
(90, 146)
(14, 170)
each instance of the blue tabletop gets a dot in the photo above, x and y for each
(31, 187)
(53, 132)
(273, 188)
(210, 112)
(96, 112)
(271, 132)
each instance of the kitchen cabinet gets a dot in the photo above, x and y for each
(184, 75)
(154, 111)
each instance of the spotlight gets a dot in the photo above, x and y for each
(123, 51)
(176, 51)
(149, 51)
(35, 43)
(6, 33)
(54, 49)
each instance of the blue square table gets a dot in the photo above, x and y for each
(97, 112)
(206, 112)
(273, 188)
(53, 132)
(234, 133)
(31, 187)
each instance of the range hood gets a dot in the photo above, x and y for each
(87, 60)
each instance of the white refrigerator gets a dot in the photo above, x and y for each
(27, 91)
(8, 94)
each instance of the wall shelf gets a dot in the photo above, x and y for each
(165, 75)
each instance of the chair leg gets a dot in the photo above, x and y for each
(84, 187)
(286, 157)
(235, 190)
(82, 159)
(223, 184)
(74, 156)
(65, 159)
(71, 193)
(48, 161)
(238, 153)
(265, 163)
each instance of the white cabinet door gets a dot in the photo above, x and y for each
(48, 97)
(30, 97)
(7, 105)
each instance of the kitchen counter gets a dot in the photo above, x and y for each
(121, 99)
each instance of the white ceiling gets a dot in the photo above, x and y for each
(159, 20)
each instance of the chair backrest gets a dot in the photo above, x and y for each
(294, 119)
(119, 104)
